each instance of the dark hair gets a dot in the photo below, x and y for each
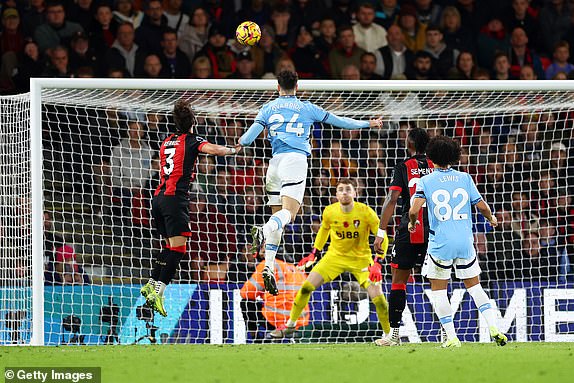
(347, 181)
(183, 116)
(287, 79)
(420, 139)
(443, 151)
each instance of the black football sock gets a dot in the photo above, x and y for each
(158, 263)
(171, 264)
(397, 303)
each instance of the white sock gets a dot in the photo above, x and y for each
(160, 288)
(151, 282)
(444, 312)
(394, 334)
(277, 222)
(290, 323)
(272, 242)
(482, 302)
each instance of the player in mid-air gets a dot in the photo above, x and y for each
(288, 121)
(450, 195)
(170, 204)
(409, 249)
(348, 223)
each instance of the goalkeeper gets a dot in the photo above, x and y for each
(349, 224)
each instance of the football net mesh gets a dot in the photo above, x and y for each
(100, 151)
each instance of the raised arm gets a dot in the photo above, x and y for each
(252, 133)
(219, 150)
(352, 124)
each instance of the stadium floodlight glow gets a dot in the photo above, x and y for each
(57, 142)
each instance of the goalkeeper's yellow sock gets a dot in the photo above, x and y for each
(382, 308)
(301, 300)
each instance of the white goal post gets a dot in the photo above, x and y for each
(446, 107)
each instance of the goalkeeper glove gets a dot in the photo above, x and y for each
(375, 274)
(308, 261)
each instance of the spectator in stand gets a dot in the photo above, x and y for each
(124, 12)
(125, 53)
(82, 12)
(523, 218)
(30, 64)
(521, 55)
(222, 13)
(480, 74)
(267, 53)
(326, 40)
(504, 247)
(306, 56)
(368, 35)
(513, 165)
(501, 67)
(387, 12)
(206, 177)
(201, 68)
(565, 221)
(444, 57)
(152, 67)
(350, 72)
(558, 162)
(284, 63)
(193, 35)
(527, 73)
(341, 12)
(345, 53)
(103, 31)
(150, 33)
(337, 163)
(59, 65)
(214, 243)
(250, 211)
(176, 19)
(257, 11)
(307, 12)
(473, 14)
(561, 54)
(175, 63)
(130, 168)
(427, 12)
(321, 192)
(394, 58)
(554, 22)
(56, 30)
(221, 58)
(81, 55)
(245, 67)
(465, 65)
(413, 30)
(11, 45)
(368, 66)
(282, 25)
(33, 15)
(491, 39)
(560, 76)
(455, 34)
(423, 68)
(523, 16)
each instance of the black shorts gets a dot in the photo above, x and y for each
(171, 215)
(405, 256)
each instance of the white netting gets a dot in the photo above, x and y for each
(98, 187)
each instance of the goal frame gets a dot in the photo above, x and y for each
(38, 84)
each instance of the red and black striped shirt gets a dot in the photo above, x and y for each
(178, 154)
(405, 178)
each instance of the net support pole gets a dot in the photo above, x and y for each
(37, 338)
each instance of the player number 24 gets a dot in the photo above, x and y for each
(276, 120)
(443, 210)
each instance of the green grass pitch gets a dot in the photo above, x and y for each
(317, 363)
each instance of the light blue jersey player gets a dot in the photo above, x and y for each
(289, 122)
(450, 195)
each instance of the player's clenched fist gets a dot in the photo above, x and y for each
(381, 244)
(308, 261)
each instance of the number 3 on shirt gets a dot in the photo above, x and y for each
(168, 168)
(276, 120)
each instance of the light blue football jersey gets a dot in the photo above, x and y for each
(449, 195)
(289, 122)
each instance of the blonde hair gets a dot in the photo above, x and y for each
(449, 11)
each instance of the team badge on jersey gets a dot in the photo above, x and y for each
(346, 224)
(356, 223)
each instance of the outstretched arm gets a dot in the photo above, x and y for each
(487, 213)
(219, 150)
(252, 133)
(352, 124)
(388, 210)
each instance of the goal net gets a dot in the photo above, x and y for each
(99, 163)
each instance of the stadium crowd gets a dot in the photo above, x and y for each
(324, 39)
(521, 164)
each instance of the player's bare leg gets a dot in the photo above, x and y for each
(482, 302)
(397, 303)
(313, 281)
(272, 233)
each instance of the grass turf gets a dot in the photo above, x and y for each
(317, 363)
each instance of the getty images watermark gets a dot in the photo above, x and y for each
(53, 374)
